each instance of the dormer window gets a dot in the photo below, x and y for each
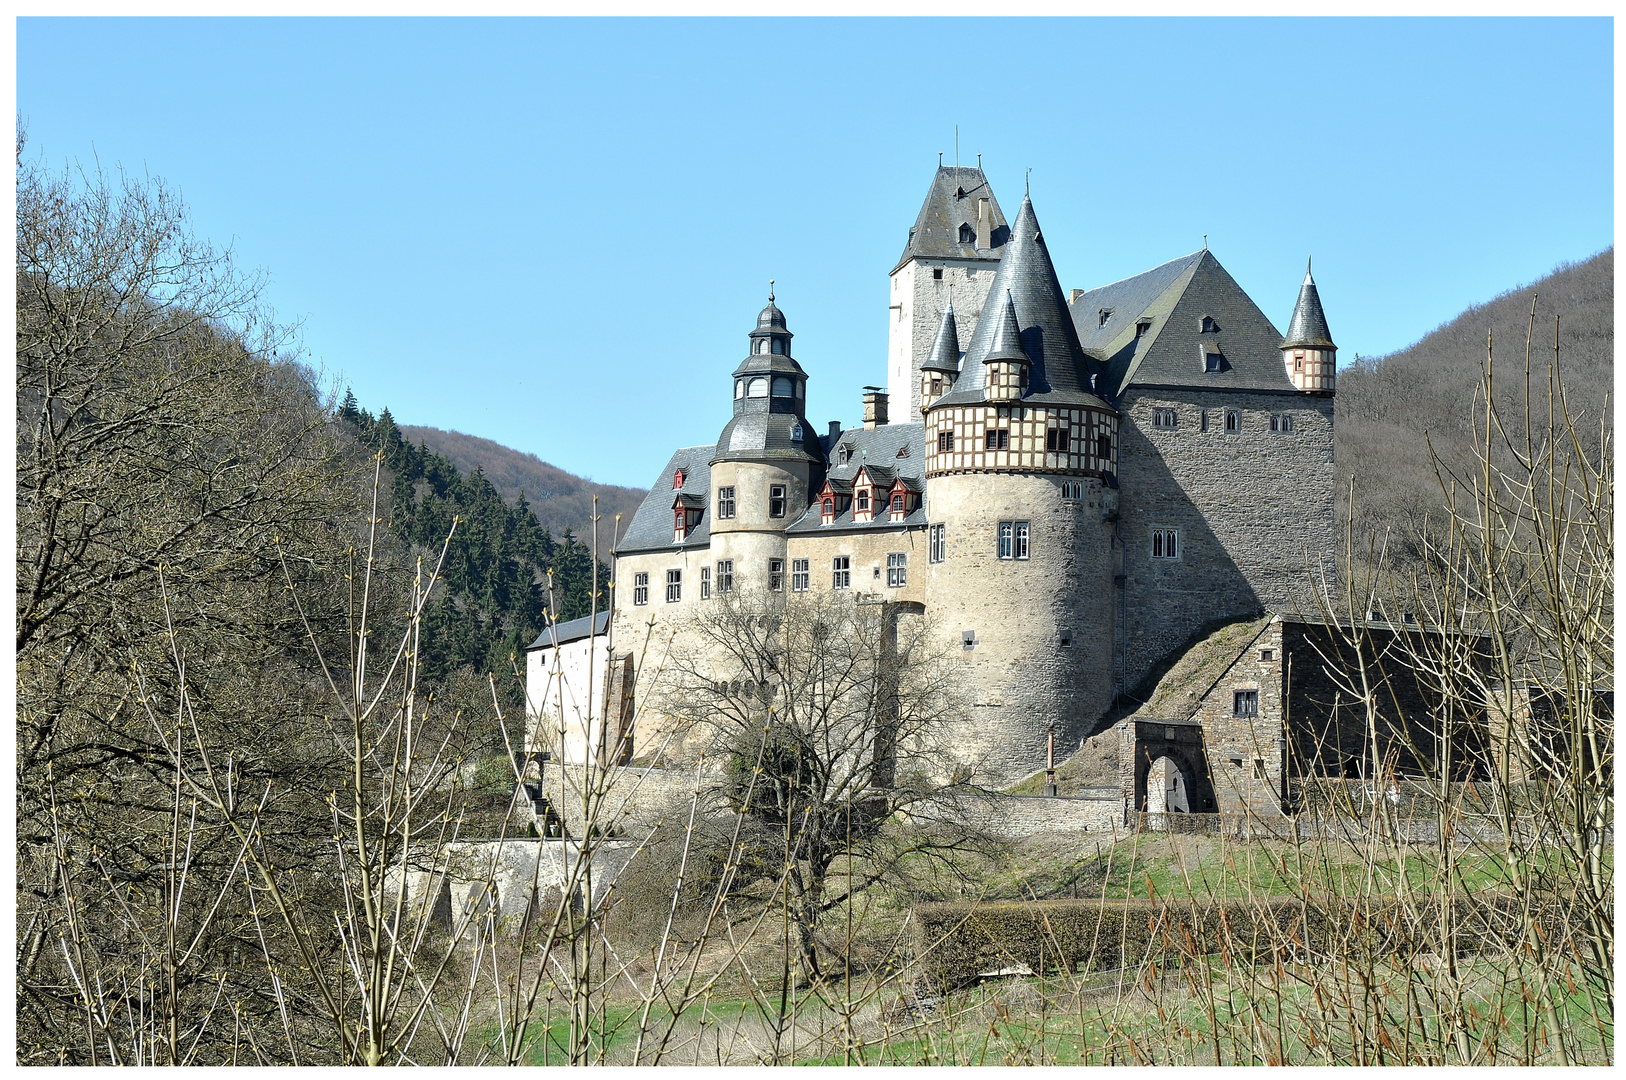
(843, 452)
(677, 480)
(1209, 325)
(900, 506)
(861, 505)
(903, 451)
(959, 193)
(1105, 315)
(1141, 327)
(827, 512)
(968, 235)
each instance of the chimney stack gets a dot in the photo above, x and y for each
(985, 225)
(874, 406)
(1073, 295)
(835, 433)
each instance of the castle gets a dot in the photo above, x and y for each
(1071, 486)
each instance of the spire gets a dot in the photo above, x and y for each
(945, 346)
(1007, 344)
(1308, 328)
(1035, 319)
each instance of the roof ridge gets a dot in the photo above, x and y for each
(1143, 273)
(1182, 283)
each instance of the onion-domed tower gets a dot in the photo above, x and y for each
(1021, 467)
(763, 465)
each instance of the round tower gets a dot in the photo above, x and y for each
(762, 468)
(1021, 466)
(1307, 350)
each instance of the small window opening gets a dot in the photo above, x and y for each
(968, 235)
(997, 439)
(945, 441)
(1209, 325)
(1245, 703)
(937, 273)
(1142, 326)
(968, 639)
(1067, 639)
(1233, 421)
(1267, 655)
(1105, 314)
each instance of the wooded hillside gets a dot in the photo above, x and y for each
(561, 501)
(1391, 407)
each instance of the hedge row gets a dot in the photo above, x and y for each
(957, 942)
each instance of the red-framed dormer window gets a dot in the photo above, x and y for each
(900, 503)
(862, 510)
(677, 480)
(680, 523)
(827, 511)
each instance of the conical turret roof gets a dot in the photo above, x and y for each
(1308, 330)
(945, 355)
(1034, 304)
(1007, 344)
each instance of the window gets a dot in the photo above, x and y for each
(937, 543)
(1163, 418)
(937, 272)
(861, 501)
(1203, 419)
(781, 385)
(1209, 326)
(1013, 539)
(1142, 326)
(1245, 703)
(1067, 639)
(725, 502)
(725, 577)
(897, 570)
(758, 387)
(798, 575)
(1072, 489)
(779, 350)
(968, 235)
(843, 452)
(945, 441)
(677, 480)
(1281, 423)
(640, 589)
(1105, 315)
(1165, 543)
(1058, 440)
(776, 574)
(1233, 422)
(674, 586)
(739, 388)
(1267, 655)
(899, 506)
(1212, 362)
(1103, 447)
(841, 572)
(937, 386)
(997, 438)
(776, 500)
(762, 345)
(1298, 361)
(705, 583)
(968, 639)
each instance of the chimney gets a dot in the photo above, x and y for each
(1073, 295)
(985, 225)
(874, 406)
(835, 433)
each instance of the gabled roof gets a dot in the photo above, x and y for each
(1059, 373)
(951, 201)
(878, 448)
(651, 528)
(574, 630)
(1175, 297)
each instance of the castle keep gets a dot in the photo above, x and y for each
(1069, 486)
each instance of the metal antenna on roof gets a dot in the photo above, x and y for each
(956, 147)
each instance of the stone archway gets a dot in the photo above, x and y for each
(1182, 778)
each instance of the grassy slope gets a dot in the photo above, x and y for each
(560, 500)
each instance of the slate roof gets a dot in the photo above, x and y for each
(651, 528)
(936, 234)
(1175, 297)
(1309, 326)
(1059, 372)
(946, 345)
(574, 630)
(877, 448)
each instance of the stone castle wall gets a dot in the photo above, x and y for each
(918, 300)
(1248, 507)
(1041, 651)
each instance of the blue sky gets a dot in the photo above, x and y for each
(557, 233)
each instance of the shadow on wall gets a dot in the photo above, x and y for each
(1170, 600)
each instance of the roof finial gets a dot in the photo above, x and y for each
(1307, 261)
(940, 159)
(770, 290)
(979, 162)
(1205, 241)
(1027, 183)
